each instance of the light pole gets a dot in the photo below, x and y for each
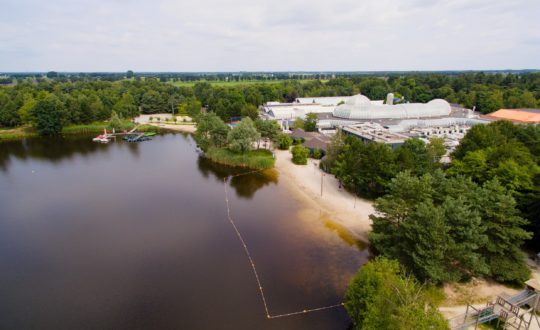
(322, 175)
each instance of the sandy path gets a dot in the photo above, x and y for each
(304, 181)
(179, 128)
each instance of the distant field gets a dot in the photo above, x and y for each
(236, 83)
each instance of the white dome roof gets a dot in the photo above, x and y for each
(360, 107)
(358, 100)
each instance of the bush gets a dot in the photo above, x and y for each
(283, 141)
(300, 154)
(317, 154)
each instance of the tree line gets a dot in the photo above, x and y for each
(450, 223)
(436, 224)
(83, 101)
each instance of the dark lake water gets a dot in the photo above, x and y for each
(135, 236)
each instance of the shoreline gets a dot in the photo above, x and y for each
(304, 183)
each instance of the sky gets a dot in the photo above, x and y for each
(268, 35)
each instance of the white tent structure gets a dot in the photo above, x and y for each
(359, 107)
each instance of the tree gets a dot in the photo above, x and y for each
(450, 229)
(298, 123)
(505, 234)
(129, 74)
(300, 154)
(283, 141)
(436, 149)
(126, 106)
(9, 115)
(52, 74)
(310, 125)
(414, 155)
(47, 115)
(211, 131)
(115, 121)
(381, 296)
(267, 128)
(251, 111)
(365, 168)
(335, 148)
(189, 106)
(242, 137)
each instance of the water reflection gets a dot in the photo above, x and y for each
(56, 149)
(113, 240)
(245, 186)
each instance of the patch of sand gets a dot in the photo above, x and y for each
(304, 182)
(178, 128)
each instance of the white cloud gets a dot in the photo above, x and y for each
(213, 35)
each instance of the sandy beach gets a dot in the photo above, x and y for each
(342, 207)
(179, 127)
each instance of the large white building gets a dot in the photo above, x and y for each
(303, 106)
(359, 107)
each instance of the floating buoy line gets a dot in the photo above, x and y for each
(252, 263)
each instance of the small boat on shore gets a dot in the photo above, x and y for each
(103, 138)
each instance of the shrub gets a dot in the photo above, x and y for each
(283, 141)
(300, 154)
(317, 154)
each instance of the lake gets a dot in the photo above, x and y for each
(136, 236)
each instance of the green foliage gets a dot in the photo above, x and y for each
(256, 159)
(310, 125)
(115, 121)
(9, 116)
(283, 141)
(126, 107)
(47, 115)
(242, 137)
(449, 229)
(335, 148)
(267, 128)
(89, 98)
(381, 296)
(505, 234)
(317, 153)
(211, 131)
(189, 106)
(436, 149)
(415, 156)
(300, 154)
(510, 153)
(298, 123)
(363, 168)
(250, 110)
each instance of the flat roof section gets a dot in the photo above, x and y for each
(516, 115)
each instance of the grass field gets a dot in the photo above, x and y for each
(221, 83)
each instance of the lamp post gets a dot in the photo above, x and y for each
(322, 175)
